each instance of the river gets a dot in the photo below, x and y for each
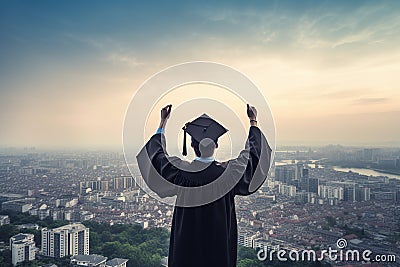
(368, 172)
(362, 171)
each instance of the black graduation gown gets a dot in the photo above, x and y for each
(204, 235)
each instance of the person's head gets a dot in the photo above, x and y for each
(205, 148)
(205, 133)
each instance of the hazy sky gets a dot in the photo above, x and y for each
(329, 69)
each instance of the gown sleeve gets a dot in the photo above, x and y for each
(257, 155)
(158, 169)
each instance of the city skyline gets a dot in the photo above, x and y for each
(307, 201)
(328, 69)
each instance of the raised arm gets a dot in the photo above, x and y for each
(256, 156)
(155, 165)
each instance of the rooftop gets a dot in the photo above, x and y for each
(72, 226)
(116, 262)
(92, 259)
(21, 236)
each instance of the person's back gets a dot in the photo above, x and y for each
(205, 234)
(205, 226)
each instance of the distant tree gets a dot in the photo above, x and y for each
(3, 263)
(5, 258)
(249, 263)
(246, 253)
(7, 231)
(106, 236)
(325, 227)
(49, 223)
(19, 218)
(95, 242)
(331, 221)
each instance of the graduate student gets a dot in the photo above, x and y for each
(204, 235)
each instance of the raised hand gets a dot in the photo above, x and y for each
(165, 112)
(251, 112)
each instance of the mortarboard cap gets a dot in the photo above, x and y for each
(202, 127)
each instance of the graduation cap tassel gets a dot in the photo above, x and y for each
(184, 152)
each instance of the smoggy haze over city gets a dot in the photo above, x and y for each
(329, 70)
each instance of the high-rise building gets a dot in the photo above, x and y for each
(299, 170)
(363, 194)
(22, 248)
(303, 181)
(397, 163)
(331, 192)
(246, 238)
(304, 173)
(349, 191)
(104, 185)
(287, 190)
(139, 181)
(368, 154)
(122, 183)
(285, 174)
(313, 184)
(398, 195)
(72, 239)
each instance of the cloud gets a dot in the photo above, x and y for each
(371, 100)
(120, 58)
(107, 46)
(345, 93)
(89, 41)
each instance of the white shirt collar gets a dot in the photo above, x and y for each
(206, 159)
